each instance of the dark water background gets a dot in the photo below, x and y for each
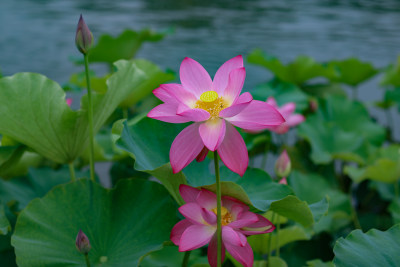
(38, 35)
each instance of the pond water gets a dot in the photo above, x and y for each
(38, 35)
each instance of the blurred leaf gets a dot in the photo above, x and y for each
(324, 90)
(117, 224)
(319, 263)
(391, 76)
(341, 129)
(287, 235)
(125, 46)
(282, 92)
(5, 226)
(293, 208)
(392, 97)
(383, 166)
(302, 69)
(394, 209)
(374, 248)
(169, 256)
(33, 111)
(319, 209)
(352, 71)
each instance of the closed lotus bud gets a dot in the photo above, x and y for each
(82, 243)
(83, 37)
(283, 165)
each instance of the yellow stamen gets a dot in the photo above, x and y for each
(210, 102)
(226, 217)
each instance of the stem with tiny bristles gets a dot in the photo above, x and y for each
(72, 171)
(90, 117)
(278, 227)
(87, 260)
(270, 243)
(219, 225)
(185, 261)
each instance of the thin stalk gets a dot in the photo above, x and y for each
(219, 224)
(270, 243)
(90, 117)
(389, 119)
(87, 260)
(355, 89)
(185, 261)
(72, 171)
(396, 189)
(278, 227)
(354, 216)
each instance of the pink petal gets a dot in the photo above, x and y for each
(243, 255)
(178, 92)
(232, 237)
(188, 193)
(186, 146)
(235, 85)
(257, 116)
(165, 96)
(294, 120)
(196, 236)
(212, 133)
(207, 199)
(287, 109)
(233, 151)
(271, 100)
(202, 155)
(244, 219)
(178, 229)
(69, 101)
(193, 212)
(241, 103)
(212, 252)
(230, 203)
(194, 77)
(220, 81)
(209, 216)
(262, 226)
(167, 113)
(192, 114)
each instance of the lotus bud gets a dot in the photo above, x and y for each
(313, 105)
(83, 37)
(283, 165)
(69, 101)
(283, 181)
(82, 243)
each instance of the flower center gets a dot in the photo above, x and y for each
(226, 217)
(210, 102)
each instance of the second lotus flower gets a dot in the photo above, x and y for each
(216, 106)
(200, 225)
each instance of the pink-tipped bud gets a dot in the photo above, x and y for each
(283, 165)
(283, 181)
(69, 101)
(82, 243)
(83, 37)
(313, 105)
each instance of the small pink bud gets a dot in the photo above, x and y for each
(69, 101)
(83, 37)
(313, 105)
(82, 243)
(283, 181)
(283, 165)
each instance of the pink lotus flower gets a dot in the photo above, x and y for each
(200, 225)
(287, 111)
(216, 106)
(69, 101)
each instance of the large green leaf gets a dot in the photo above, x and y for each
(374, 248)
(341, 129)
(319, 263)
(383, 166)
(110, 49)
(391, 76)
(293, 208)
(33, 111)
(394, 209)
(302, 69)
(122, 224)
(169, 256)
(352, 71)
(5, 225)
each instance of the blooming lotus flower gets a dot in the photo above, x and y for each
(287, 111)
(200, 225)
(215, 107)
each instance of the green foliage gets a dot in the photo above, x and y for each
(299, 71)
(33, 111)
(117, 224)
(391, 76)
(351, 71)
(319, 263)
(125, 46)
(5, 225)
(374, 248)
(341, 129)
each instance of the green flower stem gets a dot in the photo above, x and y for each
(72, 171)
(354, 216)
(90, 115)
(185, 261)
(270, 243)
(278, 227)
(87, 260)
(219, 225)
